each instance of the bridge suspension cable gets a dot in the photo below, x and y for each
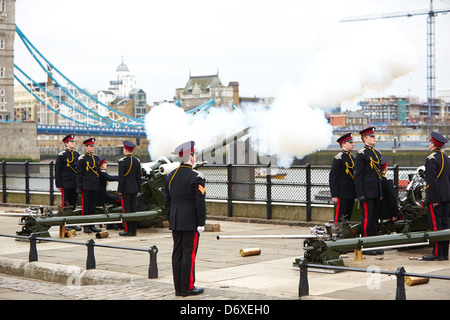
(82, 103)
(44, 99)
(43, 102)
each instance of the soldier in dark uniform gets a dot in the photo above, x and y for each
(104, 178)
(88, 181)
(342, 187)
(388, 204)
(65, 172)
(184, 199)
(437, 192)
(368, 183)
(129, 185)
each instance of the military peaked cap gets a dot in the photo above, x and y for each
(128, 145)
(69, 137)
(185, 149)
(368, 131)
(438, 139)
(89, 141)
(345, 138)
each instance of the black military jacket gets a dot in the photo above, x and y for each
(66, 169)
(341, 176)
(389, 204)
(184, 199)
(437, 175)
(88, 172)
(129, 175)
(104, 178)
(367, 173)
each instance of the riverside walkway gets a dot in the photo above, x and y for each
(225, 275)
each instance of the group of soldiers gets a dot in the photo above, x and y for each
(86, 176)
(363, 177)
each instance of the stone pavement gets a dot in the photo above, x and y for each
(60, 274)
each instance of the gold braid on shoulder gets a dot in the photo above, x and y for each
(88, 166)
(374, 163)
(131, 164)
(348, 167)
(442, 167)
(170, 182)
(70, 161)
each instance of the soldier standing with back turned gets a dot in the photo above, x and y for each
(129, 185)
(342, 186)
(437, 193)
(184, 199)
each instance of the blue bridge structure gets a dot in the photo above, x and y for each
(78, 111)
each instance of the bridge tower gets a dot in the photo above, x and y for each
(7, 33)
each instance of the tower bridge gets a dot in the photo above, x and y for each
(77, 111)
(91, 131)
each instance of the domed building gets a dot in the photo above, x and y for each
(124, 82)
(123, 95)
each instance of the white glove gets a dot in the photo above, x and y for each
(200, 229)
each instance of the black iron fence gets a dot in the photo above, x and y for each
(400, 273)
(90, 244)
(304, 184)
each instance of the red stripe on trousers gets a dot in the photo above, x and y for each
(62, 193)
(433, 219)
(366, 214)
(336, 215)
(194, 249)
(123, 210)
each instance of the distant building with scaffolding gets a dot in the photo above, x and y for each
(404, 110)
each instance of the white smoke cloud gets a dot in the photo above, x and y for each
(372, 57)
(168, 126)
(290, 127)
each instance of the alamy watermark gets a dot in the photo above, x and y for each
(374, 280)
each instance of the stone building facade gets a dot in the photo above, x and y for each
(201, 89)
(7, 34)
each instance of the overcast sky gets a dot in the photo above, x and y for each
(262, 44)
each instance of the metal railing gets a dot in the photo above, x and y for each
(90, 244)
(305, 185)
(400, 273)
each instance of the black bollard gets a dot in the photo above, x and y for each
(33, 255)
(153, 267)
(303, 286)
(400, 293)
(90, 261)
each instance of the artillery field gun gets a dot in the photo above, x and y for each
(326, 243)
(38, 220)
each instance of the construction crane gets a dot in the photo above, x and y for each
(431, 60)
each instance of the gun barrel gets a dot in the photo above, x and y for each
(13, 214)
(391, 239)
(167, 161)
(223, 142)
(96, 218)
(289, 236)
(328, 251)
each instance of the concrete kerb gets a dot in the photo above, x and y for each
(63, 274)
(13, 267)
